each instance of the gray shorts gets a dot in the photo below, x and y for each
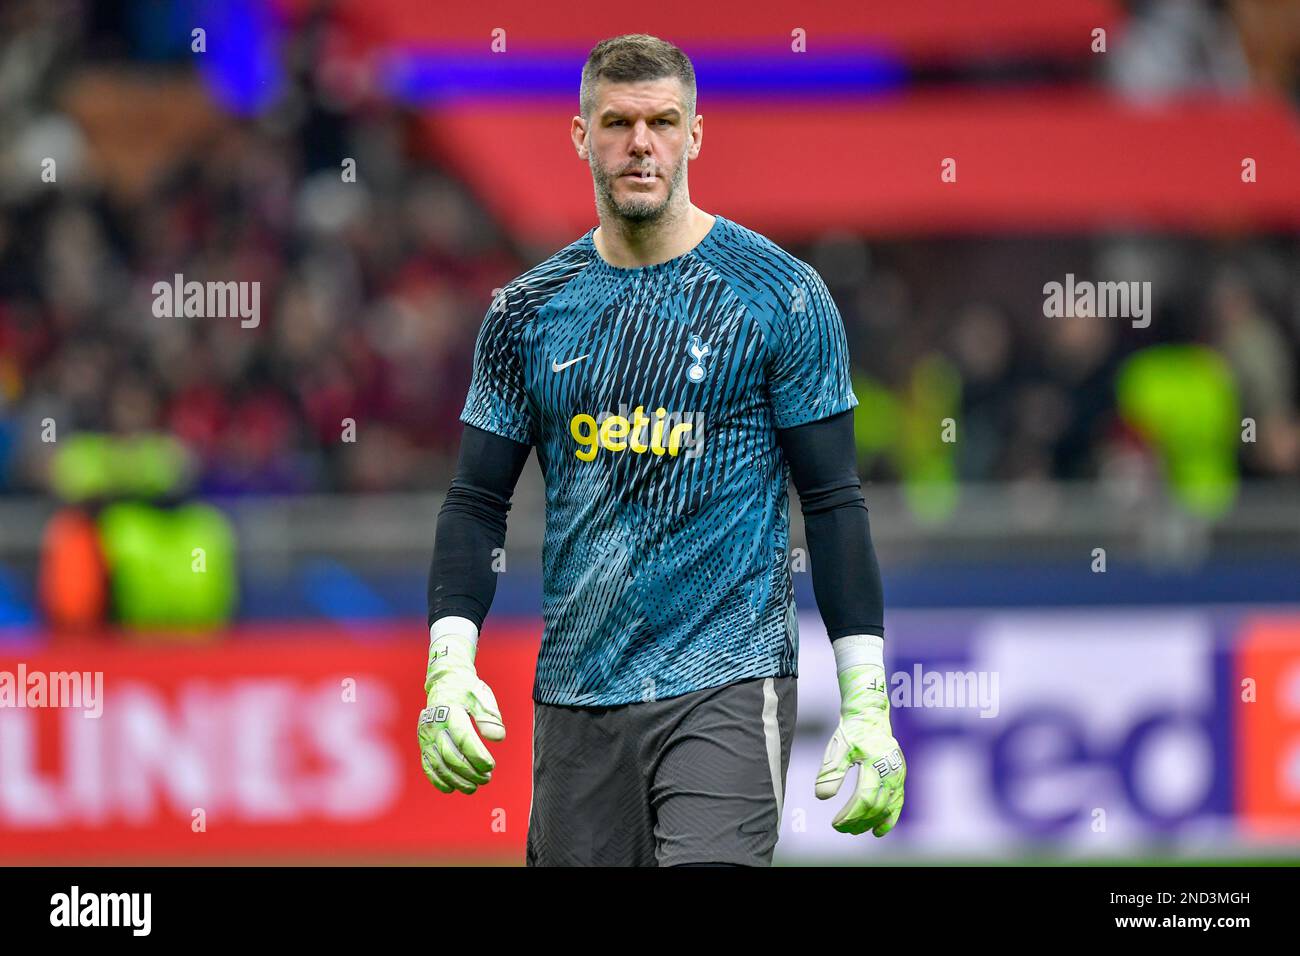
(698, 778)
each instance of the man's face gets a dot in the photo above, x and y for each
(638, 146)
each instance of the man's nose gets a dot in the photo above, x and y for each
(641, 136)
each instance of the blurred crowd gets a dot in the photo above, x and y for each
(372, 291)
(369, 297)
(1037, 397)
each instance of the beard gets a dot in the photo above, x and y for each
(638, 208)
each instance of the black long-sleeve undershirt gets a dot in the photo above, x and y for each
(472, 525)
(823, 467)
(845, 574)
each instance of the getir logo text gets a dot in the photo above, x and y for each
(664, 434)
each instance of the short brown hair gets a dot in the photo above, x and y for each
(631, 58)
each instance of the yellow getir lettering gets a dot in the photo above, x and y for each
(674, 436)
(657, 433)
(612, 431)
(639, 421)
(619, 433)
(583, 430)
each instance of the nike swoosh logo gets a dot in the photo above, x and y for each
(559, 367)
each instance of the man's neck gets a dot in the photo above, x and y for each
(632, 245)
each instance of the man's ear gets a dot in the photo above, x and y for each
(697, 139)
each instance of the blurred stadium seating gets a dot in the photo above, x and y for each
(234, 523)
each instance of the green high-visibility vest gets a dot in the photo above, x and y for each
(169, 567)
(1184, 401)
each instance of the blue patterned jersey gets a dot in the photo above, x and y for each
(652, 395)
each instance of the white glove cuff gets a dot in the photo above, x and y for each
(456, 628)
(855, 650)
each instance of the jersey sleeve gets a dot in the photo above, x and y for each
(497, 401)
(808, 372)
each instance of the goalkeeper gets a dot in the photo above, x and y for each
(674, 371)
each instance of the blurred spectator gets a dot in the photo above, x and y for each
(1264, 365)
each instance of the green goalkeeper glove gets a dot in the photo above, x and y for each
(864, 737)
(454, 757)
